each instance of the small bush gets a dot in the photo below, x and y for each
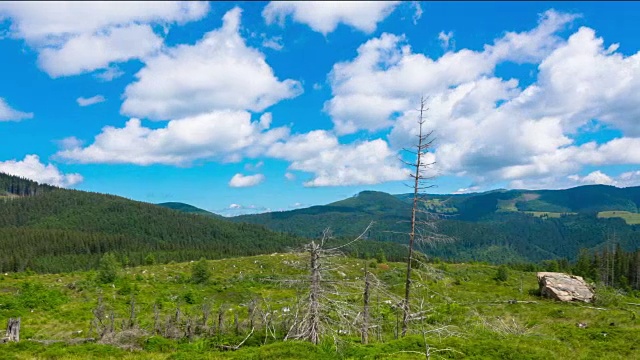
(149, 259)
(200, 272)
(108, 269)
(502, 274)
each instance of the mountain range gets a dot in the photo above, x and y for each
(496, 226)
(49, 229)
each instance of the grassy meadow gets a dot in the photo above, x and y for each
(467, 314)
(629, 217)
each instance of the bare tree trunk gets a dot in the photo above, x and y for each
(417, 176)
(132, 313)
(220, 320)
(314, 295)
(365, 310)
(206, 312)
(13, 330)
(156, 319)
(252, 313)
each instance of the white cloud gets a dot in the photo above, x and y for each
(324, 16)
(334, 164)
(239, 209)
(489, 128)
(239, 180)
(386, 77)
(218, 72)
(70, 142)
(7, 113)
(445, 39)
(254, 167)
(630, 178)
(470, 189)
(90, 101)
(534, 45)
(222, 136)
(418, 11)
(265, 120)
(274, 43)
(114, 45)
(31, 168)
(289, 176)
(116, 32)
(596, 177)
(109, 74)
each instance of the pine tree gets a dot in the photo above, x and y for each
(108, 268)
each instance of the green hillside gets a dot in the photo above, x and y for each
(63, 230)
(483, 318)
(497, 226)
(54, 230)
(190, 209)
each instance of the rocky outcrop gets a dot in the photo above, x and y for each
(564, 287)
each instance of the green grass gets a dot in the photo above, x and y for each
(507, 205)
(629, 217)
(463, 296)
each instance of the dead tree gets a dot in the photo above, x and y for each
(13, 331)
(422, 221)
(132, 313)
(98, 323)
(322, 310)
(365, 305)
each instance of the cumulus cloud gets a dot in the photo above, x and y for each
(7, 113)
(384, 78)
(90, 101)
(324, 16)
(239, 180)
(596, 177)
(218, 72)
(109, 46)
(116, 32)
(221, 135)
(489, 128)
(31, 168)
(334, 164)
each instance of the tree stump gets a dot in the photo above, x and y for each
(13, 330)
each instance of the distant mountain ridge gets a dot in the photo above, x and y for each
(190, 209)
(50, 229)
(495, 226)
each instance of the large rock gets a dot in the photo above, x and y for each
(564, 287)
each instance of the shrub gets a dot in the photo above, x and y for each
(502, 274)
(149, 259)
(200, 272)
(108, 268)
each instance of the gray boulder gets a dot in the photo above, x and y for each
(564, 287)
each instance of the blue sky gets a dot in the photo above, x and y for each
(255, 106)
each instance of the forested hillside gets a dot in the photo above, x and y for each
(497, 226)
(54, 230)
(186, 208)
(18, 186)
